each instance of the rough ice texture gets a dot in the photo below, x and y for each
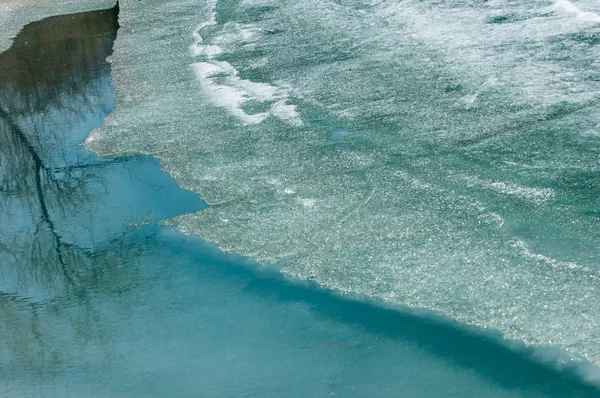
(468, 184)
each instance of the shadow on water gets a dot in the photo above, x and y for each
(94, 293)
(511, 365)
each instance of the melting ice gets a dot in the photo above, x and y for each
(468, 184)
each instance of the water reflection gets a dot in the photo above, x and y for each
(97, 300)
(67, 218)
(53, 86)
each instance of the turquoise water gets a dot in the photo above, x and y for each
(100, 298)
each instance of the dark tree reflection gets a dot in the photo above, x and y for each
(66, 226)
(52, 77)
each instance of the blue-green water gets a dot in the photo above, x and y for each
(99, 300)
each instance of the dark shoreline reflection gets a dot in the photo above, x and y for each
(54, 57)
(49, 82)
(97, 300)
(67, 218)
(54, 89)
